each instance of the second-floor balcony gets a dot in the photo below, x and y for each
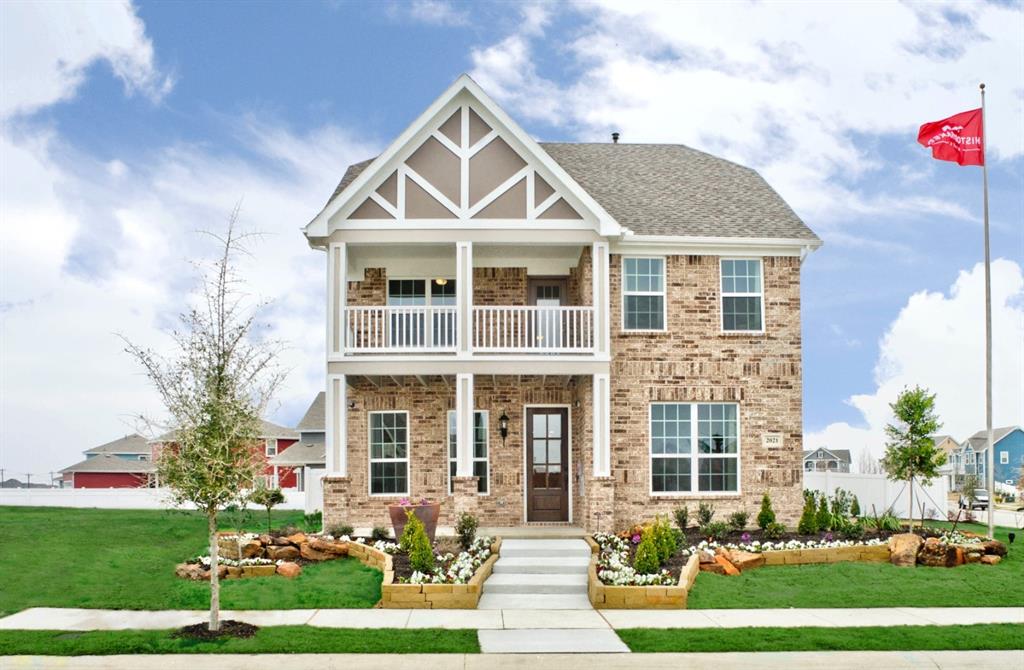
(495, 329)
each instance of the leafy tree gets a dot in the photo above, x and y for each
(808, 524)
(767, 514)
(910, 451)
(970, 483)
(266, 497)
(214, 388)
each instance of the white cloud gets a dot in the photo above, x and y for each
(791, 89)
(437, 12)
(46, 48)
(937, 341)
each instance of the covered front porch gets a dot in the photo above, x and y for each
(511, 449)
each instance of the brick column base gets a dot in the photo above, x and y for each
(336, 500)
(464, 498)
(600, 506)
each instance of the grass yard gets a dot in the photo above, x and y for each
(124, 559)
(270, 640)
(901, 638)
(869, 584)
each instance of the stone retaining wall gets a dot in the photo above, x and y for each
(437, 596)
(603, 596)
(878, 553)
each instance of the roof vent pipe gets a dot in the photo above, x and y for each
(615, 138)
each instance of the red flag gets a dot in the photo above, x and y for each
(958, 138)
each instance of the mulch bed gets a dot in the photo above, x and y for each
(229, 628)
(400, 560)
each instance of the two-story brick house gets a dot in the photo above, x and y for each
(571, 333)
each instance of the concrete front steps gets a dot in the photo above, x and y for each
(539, 574)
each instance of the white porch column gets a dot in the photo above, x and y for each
(464, 294)
(600, 295)
(337, 293)
(463, 425)
(337, 427)
(602, 426)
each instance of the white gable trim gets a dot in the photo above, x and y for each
(463, 92)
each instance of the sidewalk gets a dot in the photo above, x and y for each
(809, 660)
(46, 618)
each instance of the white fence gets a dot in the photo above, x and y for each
(115, 498)
(883, 494)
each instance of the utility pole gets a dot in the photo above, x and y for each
(28, 480)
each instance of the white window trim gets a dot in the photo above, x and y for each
(266, 447)
(723, 295)
(694, 492)
(427, 294)
(487, 440)
(1004, 458)
(663, 293)
(371, 460)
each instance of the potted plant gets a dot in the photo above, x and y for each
(426, 511)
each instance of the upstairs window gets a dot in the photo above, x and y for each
(480, 467)
(643, 293)
(742, 296)
(271, 447)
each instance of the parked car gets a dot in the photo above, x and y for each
(980, 500)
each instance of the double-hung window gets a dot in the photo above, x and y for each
(742, 296)
(480, 463)
(271, 447)
(409, 328)
(643, 293)
(389, 453)
(694, 448)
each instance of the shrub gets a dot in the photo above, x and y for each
(341, 529)
(715, 530)
(466, 530)
(705, 513)
(738, 520)
(774, 531)
(646, 561)
(808, 524)
(414, 537)
(665, 539)
(379, 534)
(682, 516)
(824, 517)
(852, 531)
(855, 507)
(767, 515)
(313, 522)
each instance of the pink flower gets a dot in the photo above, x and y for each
(745, 537)
(636, 539)
(405, 502)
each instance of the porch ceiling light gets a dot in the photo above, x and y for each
(441, 281)
(503, 426)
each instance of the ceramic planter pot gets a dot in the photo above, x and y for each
(427, 514)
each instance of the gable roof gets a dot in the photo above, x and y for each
(267, 429)
(843, 455)
(314, 420)
(669, 189)
(301, 453)
(111, 463)
(979, 441)
(129, 444)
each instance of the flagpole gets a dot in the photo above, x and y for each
(990, 474)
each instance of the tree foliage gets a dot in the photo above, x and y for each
(214, 387)
(266, 497)
(910, 451)
(767, 515)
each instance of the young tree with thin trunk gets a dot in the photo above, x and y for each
(910, 452)
(214, 387)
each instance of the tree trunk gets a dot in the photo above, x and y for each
(211, 518)
(910, 517)
(268, 521)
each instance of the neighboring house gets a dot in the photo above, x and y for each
(1008, 454)
(560, 333)
(122, 463)
(824, 459)
(308, 452)
(273, 440)
(953, 469)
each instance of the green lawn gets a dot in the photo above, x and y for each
(271, 640)
(124, 559)
(869, 584)
(901, 638)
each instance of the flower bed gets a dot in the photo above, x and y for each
(613, 584)
(455, 583)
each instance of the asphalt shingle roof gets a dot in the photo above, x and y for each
(313, 420)
(301, 453)
(110, 463)
(129, 444)
(842, 454)
(979, 441)
(669, 189)
(267, 429)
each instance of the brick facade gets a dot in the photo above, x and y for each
(692, 361)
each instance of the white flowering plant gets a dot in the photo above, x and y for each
(235, 563)
(613, 564)
(453, 568)
(757, 546)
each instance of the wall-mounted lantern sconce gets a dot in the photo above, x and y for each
(503, 426)
(351, 404)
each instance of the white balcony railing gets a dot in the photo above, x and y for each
(530, 329)
(400, 329)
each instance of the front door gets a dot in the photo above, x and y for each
(547, 464)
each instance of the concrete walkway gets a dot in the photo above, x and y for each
(47, 618)
(804, 660)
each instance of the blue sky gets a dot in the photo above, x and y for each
(126, 127)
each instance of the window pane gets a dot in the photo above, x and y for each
(644, 312)
(741, 313)
(451, 435)
(480, 471)
(442, 295)
(670, 429)
(388, 477)
(716, 429)
(670, 474)
(717, 474)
